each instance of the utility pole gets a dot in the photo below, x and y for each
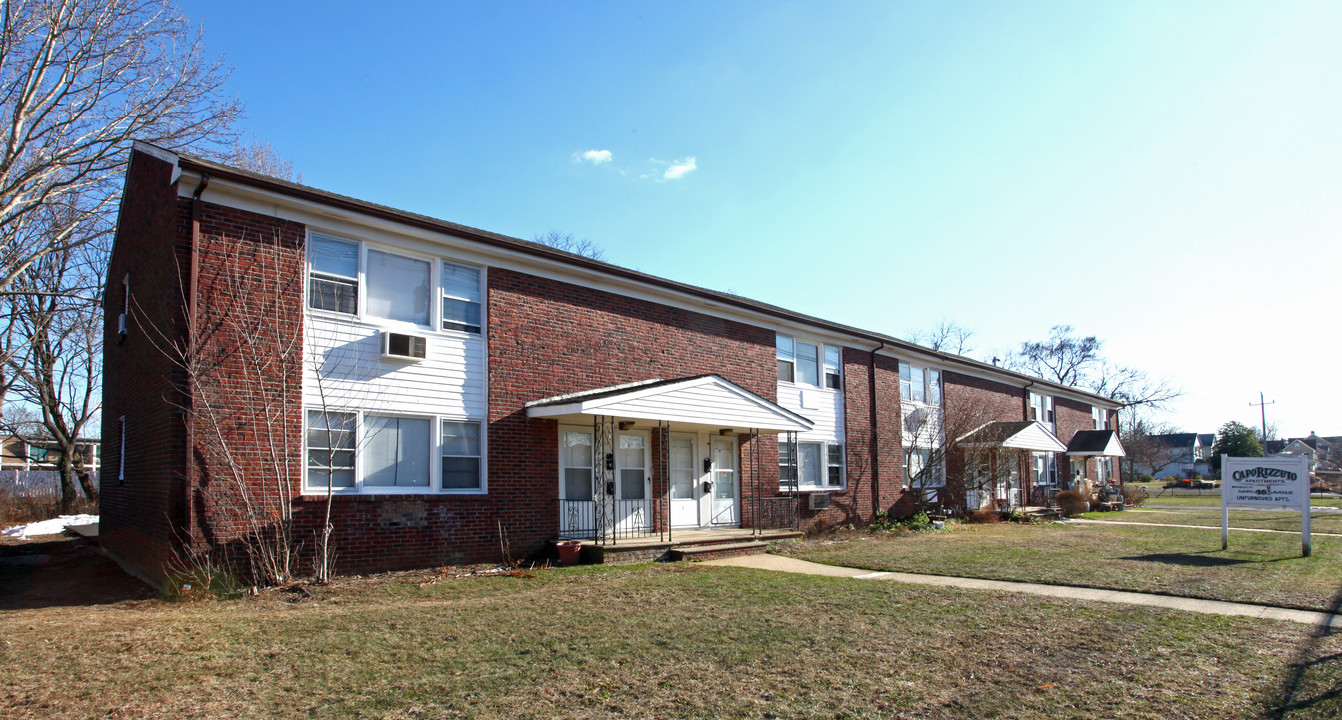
(1261, 405)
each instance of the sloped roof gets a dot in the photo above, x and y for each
(304, 193)
(1207, 439)
(1023, 435)
(1179, 440)
(1103, 443)
(702, 400)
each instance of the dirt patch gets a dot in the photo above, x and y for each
(54, 571)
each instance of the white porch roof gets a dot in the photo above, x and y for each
(704, 401)
(1027, 435)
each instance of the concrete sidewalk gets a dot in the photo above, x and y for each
(1211, 607)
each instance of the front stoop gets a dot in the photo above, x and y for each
(716, 550)
(697, 549)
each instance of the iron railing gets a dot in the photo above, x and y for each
(619, 519)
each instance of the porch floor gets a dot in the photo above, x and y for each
(653, 547)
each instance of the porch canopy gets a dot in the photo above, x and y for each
(1099, 443)
(1029, 435)
(683, 403)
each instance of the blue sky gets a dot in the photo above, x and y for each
(1165, 176)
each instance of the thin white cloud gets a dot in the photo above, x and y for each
(596, 157)
(680, 169)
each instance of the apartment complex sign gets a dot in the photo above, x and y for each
(1276, 482)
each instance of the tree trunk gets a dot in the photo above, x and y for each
(86, 482)
(68, 495)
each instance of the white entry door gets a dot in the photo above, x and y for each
(633, 483)
(686, 490)
(726, 485)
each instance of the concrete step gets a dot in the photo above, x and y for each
(713, 551)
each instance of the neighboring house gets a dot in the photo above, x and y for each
(1186, 455)
(36, 453)
(457, 390)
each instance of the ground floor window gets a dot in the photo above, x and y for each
(819, 465)
(376, 452)
(922, 471)
(1101, 470)
(1045, 470)
(575, 464)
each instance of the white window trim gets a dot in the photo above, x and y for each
(1047, 410)
(819, 363)
(435, 454)
(436, 289)
(938, 477)
(824, 468)
(927, 385)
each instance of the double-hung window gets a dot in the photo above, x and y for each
(383, 452)
(1045, 471)
(920, 385)
(461, 298)
(1041, 409)
(575, 464)
(330, 440)
(461, 455)
(1098, 414)
(819, 466)
(806, 363)
(833, 375)
(923, 473)
(333, 283)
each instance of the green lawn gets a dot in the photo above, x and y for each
(1259, 567)
(1320, 521)
(1213, 499)
(657, 641)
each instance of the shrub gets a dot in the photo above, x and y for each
(917, 522)
(1135, 495)
(1146, 479)
(1072, 503)
(985, 515)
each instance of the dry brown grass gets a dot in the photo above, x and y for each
(671, 641)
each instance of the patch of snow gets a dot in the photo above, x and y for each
(49, 527)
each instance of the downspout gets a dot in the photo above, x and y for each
(189, 464)
(875, 436)
(1025, 408)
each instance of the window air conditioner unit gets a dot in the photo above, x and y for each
(400, 346)
(819, 501)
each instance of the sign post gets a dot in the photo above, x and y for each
(1276, 482)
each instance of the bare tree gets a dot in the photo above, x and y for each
(568, 243)
(1145, 451)
(1064, 357)
(260, 157)
(78, 81)
(241, 365)
(60, 372)
(941, 452)
(946, 336)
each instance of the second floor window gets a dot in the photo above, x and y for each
(920, 385)
(1041, 409)
(461, 298)
(806, 363)
(398, 287)
(379, 284)
(334, 281)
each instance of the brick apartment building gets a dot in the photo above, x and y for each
(268, 343)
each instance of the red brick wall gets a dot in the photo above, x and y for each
(971, 401)
(1071, 417)
(548, 337)
(139, 379)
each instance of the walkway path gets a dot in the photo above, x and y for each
(1211, 607)
(1197, 527)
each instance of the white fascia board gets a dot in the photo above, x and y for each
(321, 216)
